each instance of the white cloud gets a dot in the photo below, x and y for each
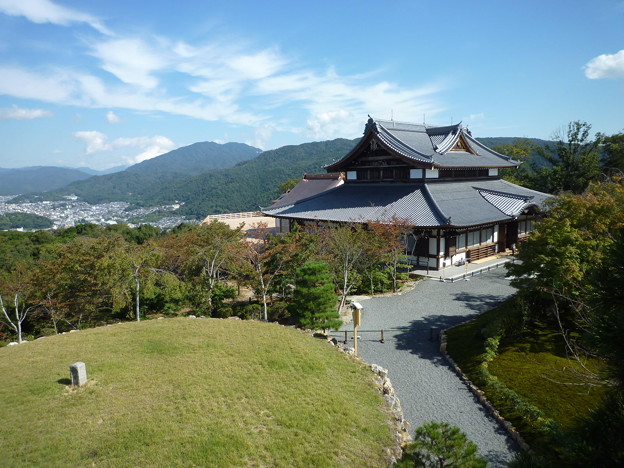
(45, 11)
(95, 141)
(132, 60)
(606, 66)
(261, 137)
(18, 113)
(225, 81)
(475, 117)
(148, 147)
(112, 118)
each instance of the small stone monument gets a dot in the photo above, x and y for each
(78, 373)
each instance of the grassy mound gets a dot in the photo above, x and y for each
(189, 392)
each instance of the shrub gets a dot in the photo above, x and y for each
(278, 312)
(250, 312)
(223, 311)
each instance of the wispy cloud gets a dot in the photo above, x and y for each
(606, 66)
(131, 60)
(45, 11)
(148, 147)
(229, 81)
(18, 113)
(112, 118)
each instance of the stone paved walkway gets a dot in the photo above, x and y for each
(426, 385)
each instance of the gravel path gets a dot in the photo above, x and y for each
(426, 385)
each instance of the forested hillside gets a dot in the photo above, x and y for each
(252, 184)
(140, 182)
(41, 179)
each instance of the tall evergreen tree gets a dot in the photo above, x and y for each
(314, 299)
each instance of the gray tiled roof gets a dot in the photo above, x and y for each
(432, 144)
(362, 203)
(458, 204)
(310, 185)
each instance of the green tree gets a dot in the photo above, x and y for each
(573, 161)
(558, 259)
(390, 242)
(520, 150)
(314, 298)
(16, 285)
(344, 248)
(606, 319)
(90, 280)
(440, 445)
(613, 152)
(203, 256)
(266, 259)
(287, 185)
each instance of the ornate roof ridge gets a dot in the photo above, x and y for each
(506, 194)
(487, 148)
(395, 143)
(450, 140)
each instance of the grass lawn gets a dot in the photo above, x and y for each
(533, 365)
(189, 392)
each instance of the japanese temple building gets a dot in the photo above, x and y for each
(439, 181)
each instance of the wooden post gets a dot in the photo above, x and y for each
(357, 321)
(382, 337)
(346, 337)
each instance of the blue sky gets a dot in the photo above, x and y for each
(102, 83)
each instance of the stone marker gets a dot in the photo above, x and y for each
(78, 372)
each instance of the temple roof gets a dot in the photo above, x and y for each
(435, 204)
(310, 185)
(441, 147)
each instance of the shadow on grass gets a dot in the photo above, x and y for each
(64, 381)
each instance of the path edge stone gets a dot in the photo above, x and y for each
(481, 398)
(400, 426)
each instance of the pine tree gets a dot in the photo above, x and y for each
(440, 445)
(314, 299)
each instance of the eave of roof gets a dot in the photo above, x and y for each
(436, 204)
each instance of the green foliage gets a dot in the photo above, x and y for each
(527, 376)
(24, 220)
(613, 152)
(144, 183)
(287, 185)
(440, 445)
(598, 439)
(314, 299)
(251, 184)
(524, 151)
(606, 317)
(573, 161)
(250, 312)
(278, 312)
(572, 241)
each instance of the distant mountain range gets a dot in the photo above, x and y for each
(139, 183)
(110, 170)
(209, 177)
(39, 178)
